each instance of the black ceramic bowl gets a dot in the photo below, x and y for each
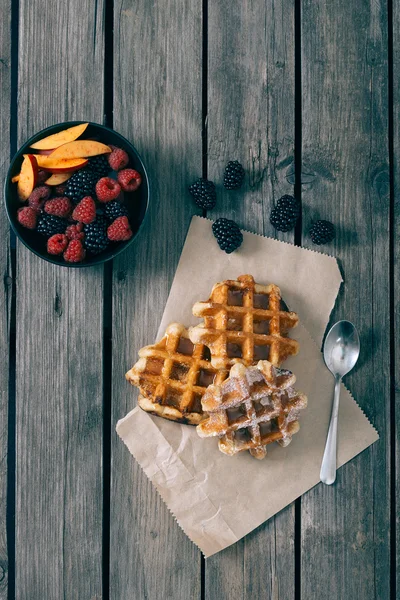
(136, 202)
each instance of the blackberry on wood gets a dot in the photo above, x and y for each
(285, 214)
(49, 225)
(203, 192)
(234, 175)
(81, 184)
(96, 239)
(322, 232)
(228, 234)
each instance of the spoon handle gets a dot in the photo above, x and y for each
(328, 466)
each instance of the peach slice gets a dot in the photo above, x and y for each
(80, 148)
(27, 177)
(62, 137)
(60, 165)
(58, 178)
(15, 179)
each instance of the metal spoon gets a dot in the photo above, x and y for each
(341, 351)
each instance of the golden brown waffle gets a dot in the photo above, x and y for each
(254, 407)
(244, 322)
(173, 375)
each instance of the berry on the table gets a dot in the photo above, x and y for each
(120, 230)
(99, 166)
(118, 159)
(75, 232)
(60, 207)
(228, 234)
(204, 194)
(115, 209)
(85, 211)
(81, 184)
(38, 197)
(57, 243)
(107, 189)
(48, 225)
(234, 175)
(27, 217)
(285, 214)
(322, 232)
(96, 239)
(129, 180)
(75, 252)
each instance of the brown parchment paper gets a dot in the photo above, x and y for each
(218, 499)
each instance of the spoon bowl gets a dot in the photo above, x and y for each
(341, 348)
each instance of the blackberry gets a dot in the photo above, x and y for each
(114, 209)
(228, 234)
(285, 214)
(96, 239)
(203, 192)
(99, 165)
(322, 232)
(234, 175)
(81, 184)
(49, 225)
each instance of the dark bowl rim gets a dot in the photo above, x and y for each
(8, 178)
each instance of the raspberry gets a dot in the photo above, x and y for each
(85, 211)
(118, 159)
(57, 243)
(38, 196)
(42, 177)
(75, 252)
(60, 190)
(107, 189)
(59, 207)
(27, 217)
(129, 180)
(120, 230)
(75, 232)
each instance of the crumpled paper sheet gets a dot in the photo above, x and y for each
(218, 499)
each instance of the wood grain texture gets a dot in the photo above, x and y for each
(345, 527)
(6, 287)
(158, 107)
(396, 282)
(251, 119)
(59, 333)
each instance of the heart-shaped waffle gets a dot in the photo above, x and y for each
(254, 407)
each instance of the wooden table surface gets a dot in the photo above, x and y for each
(305, 93)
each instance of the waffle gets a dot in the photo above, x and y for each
(254, 407)
(173, 375)
(244, 322)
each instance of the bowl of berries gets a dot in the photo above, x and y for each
(76, 194)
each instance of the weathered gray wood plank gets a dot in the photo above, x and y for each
(59, 333)
(157, 106)
(345, 528)
(396, 270)
(251, 119)
(5, 289)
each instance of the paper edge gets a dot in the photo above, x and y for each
(268, 237)
(155, 485)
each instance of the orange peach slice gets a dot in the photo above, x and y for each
(15, 179)
(60, 165)
(62, 137)
(27, 177)
(58, 178)
(80, 148)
